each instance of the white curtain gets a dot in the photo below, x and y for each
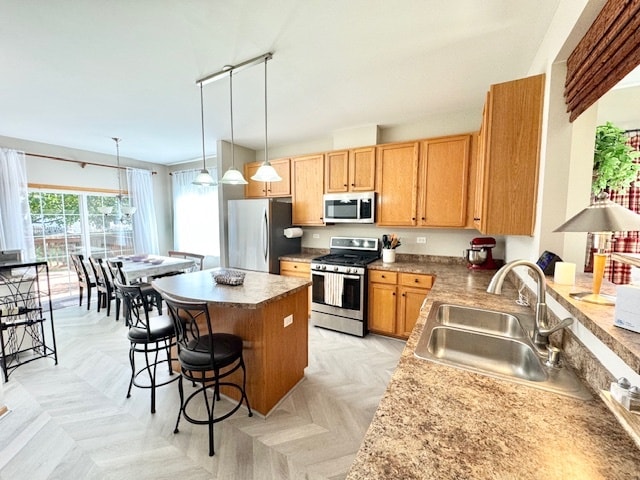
(195, 214)
(16, 231)
(145, 227)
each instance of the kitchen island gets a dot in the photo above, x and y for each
(269, 312)
(439, 422)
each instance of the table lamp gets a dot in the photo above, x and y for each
(602, 218)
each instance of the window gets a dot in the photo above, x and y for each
(71, 223)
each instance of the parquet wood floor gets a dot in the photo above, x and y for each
(72, 421)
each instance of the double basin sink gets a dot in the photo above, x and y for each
(496, 344)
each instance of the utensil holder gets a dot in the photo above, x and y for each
(388, 255)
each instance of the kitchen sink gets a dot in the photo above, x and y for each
(492, 343)
(476, 319)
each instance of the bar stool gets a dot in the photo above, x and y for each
(206, 358)
(150, 336)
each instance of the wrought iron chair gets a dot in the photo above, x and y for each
(152, 336)
(117, 273)
(207, 359)
(85, 280)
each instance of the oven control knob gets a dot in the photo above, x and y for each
(323, 267)
(335, 269)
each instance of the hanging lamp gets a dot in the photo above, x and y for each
(203, 178)
(266, 172)
(232, 176)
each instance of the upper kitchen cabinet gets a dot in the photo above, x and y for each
(444, 181)
(268, 189)
(397, 183)
(350, 170)
(508, 158)
(307, 179)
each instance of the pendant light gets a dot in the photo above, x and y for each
(203, 177)
(232, 176)
(266, 173)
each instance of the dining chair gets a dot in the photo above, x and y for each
(117, 273)
(153, 337)
(207, 359)
(196, 257)
(85, 280)
(104, 284)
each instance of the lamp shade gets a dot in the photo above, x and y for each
(266, 173)
(233, 177)
(602, 216)
(204, 178)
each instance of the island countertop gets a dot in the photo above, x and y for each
(257, 289)
(438, 422)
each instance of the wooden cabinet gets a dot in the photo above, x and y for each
(307, 188)
(397, 183)
(297, 269)
(350, 170)
(268, 189)
(508, 158)
(395, 300)
(443, 181)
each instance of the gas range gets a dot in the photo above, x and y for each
(348, 255)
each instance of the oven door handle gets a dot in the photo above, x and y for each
(324, 274)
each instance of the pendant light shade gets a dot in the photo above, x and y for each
(232, 176)
(203, 178)
(266, 172)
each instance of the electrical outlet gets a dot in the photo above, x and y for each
(288, 320)
(316, 235)
(421, 240)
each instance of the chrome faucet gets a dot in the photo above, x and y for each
(541, 329)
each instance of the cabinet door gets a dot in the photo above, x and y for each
(307, 178)
(282, 188)
(396, 184)
(511, 148)
(362, 169)
(444, 170)
(253, 189)
(382, 308)
(337, 172)
(409, 309)
(299, 270)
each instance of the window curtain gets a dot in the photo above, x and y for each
(16, 231)
(195, 214)
(145, 227)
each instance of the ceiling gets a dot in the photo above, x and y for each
(77, 72)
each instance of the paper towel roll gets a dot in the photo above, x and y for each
(293, 232)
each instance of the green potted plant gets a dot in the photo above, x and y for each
(614, 168)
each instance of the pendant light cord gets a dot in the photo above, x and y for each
(117, 140)
(233, 156)
(204, 161)
(266, 151)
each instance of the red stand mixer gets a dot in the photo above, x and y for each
(479, 256)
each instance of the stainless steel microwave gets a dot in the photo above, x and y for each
(349, 207)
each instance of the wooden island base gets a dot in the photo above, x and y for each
(275, 355)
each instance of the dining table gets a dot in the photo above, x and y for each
(135, 267)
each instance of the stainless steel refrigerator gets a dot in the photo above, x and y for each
(256, 234)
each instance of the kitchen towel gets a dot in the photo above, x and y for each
(293, 232)
(333, 287)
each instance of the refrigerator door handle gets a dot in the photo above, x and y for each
(265, 236)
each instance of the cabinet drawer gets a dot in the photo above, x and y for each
(295, 267)
(380, 276)
(416, 280)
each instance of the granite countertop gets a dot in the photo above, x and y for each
(257, 290)
(438, 422)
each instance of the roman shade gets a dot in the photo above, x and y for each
(606, 54)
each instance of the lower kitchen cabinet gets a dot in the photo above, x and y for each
(297, 269)
(395, 300)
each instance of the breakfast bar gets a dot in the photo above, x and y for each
(269, 312)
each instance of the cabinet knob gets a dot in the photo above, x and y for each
(383, 276)
(394, 294)
(417, 281)
(423, 219)
(476, 219)
(353, 184)
(344, 185)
